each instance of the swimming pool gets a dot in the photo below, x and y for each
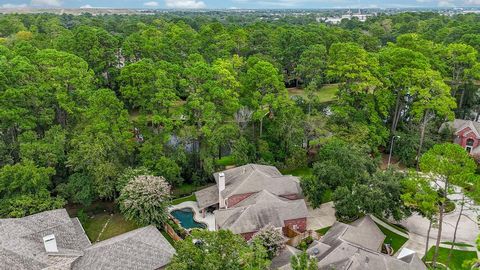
(185, 216)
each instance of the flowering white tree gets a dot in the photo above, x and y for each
(145, 200)
(271, 238)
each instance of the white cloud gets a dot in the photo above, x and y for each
(151, 4)
(445, 3)
(8, 5)
(185, 4)
(86, 6)
(472, 2)
(51, 3)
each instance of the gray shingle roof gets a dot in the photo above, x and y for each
(342, 249)
(21, 240)
(207, 196)
(249, 178)
(259, 210)
(357, 246)
(254, 177)
(143, 248)
(284, 257)
(21, 245)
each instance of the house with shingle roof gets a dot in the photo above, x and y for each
(53, 240)
(248, 197)
(466, 134)
(354, 246)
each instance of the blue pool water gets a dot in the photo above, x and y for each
(185, 216)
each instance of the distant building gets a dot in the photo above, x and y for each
(354, 246)
(337, 20)
(249, 197)
(466, 134)
(53, 240)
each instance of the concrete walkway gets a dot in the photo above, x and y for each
(209, 218)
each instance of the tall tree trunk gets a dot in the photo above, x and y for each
(440, 224)
(462, 96)
(439, 235)
(422, 138)
(393, 128)
(428, 237)
(261, 127)
(455, 232)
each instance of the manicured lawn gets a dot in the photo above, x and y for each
(226, 161)
(117, 225)
(396, 226)
(323, 231)
(460, 244)
(297, 172)
(93, 226)
(184, 199)
(395, 240)
(187, 189)
(457, 259)
(326, 93)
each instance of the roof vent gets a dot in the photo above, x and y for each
(316, 251)
(50, 243)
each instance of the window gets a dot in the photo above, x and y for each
(469, 145)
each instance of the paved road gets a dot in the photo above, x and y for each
(467, 232)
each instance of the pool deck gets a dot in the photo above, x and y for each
(209, 218)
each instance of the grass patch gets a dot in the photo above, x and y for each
(449, 206)
(460, 244)
(187, 189)
(93, 226)
(395, 240)
(327, 196)
(326, 93)
(226, 161)
(305, 171)
(323, 231)
(117, 225)
(457, 259)
(396, 226)
(184, 199)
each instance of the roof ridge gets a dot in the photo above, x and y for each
(242, 211)
(243, 181)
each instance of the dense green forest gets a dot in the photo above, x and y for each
(84, 99)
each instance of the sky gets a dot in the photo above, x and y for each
(237, 4)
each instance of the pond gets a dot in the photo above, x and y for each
(185, 216)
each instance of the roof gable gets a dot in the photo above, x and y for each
(461, 127)
(252, 178)
(258, 211)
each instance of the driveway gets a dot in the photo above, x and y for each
(467, 228)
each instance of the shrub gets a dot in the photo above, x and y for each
(145, 200)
